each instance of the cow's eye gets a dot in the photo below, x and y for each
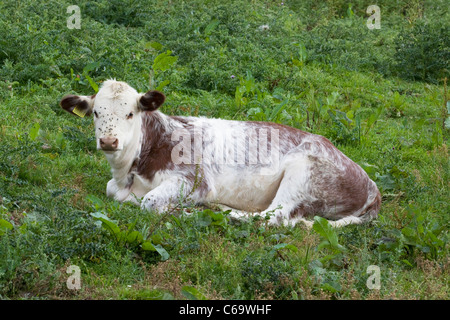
(130, 115)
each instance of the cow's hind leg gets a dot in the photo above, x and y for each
(298, 198)
(292, 193)
(294, 200)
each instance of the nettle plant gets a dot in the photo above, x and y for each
(324, 268)
(126, 235)
(422, 52)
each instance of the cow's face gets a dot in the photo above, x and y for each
(117, 111)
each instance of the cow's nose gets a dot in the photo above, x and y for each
(109, 144)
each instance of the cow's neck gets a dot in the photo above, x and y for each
(122, 161)
(153, 129)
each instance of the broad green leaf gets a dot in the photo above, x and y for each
(162, 85)
(164, 61)
(91, 66)
(99, 215)
(386, 182)
(154, 295)
(409, 232)
(5, 226)
(92, 83)
(424, 249)
(327, 258)
(107, 223)
(253, 111)
(34, 131)
(323, 244)
(192, 293)
(176, 220)
(350, 115)
(134, 236)
(285, 246)
(154, 45)
(162, 252)
(407, 263)
(277, 110)
(157, 238)
(324, 229)
(148, 246)
(374, 117)
(316, 267)
(297, 62)
(97, 202)
(331, 287)
(434, 240)
(370, 169)
(211, 26)
(218, 218)
(204, 219)
(169, 226)
(420, 228)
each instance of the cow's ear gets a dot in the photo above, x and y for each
(78, 105)
(151, 100)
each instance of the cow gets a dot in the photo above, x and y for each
(252, 168)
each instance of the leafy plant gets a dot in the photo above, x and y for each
(192, 293)
(302, 55)
(34, 131)
(329, 236)
(208, 218)
(424, 235)
(127, 236)
(394, 178)
(315, 108)
(5, 226)
(346, 129)
(321, 268)
(267, 113)
(373, 117)
(260, 270)
(247, 90)
(397, 105)
(84, 78)
(423, 52)
(163, 62)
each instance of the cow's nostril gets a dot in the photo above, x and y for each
(109, 144)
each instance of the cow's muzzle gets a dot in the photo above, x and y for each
(109, 144)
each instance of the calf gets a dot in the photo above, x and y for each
(254, 168)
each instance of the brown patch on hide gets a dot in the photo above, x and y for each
(156, 153)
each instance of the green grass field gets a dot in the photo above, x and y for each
(378, 94)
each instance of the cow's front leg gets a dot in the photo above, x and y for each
(119, 194)
(166, 195)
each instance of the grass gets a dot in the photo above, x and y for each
(316, 67)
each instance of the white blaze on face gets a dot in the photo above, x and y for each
(116, 116)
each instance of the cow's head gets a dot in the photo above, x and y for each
(116, 109)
